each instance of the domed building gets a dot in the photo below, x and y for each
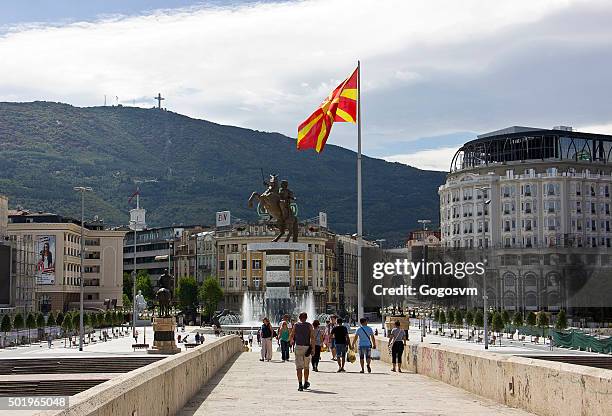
(539, 201)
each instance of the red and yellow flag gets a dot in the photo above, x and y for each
(340, 105)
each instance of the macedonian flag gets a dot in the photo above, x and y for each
(340, 105)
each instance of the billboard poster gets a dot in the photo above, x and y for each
(223, 219)
(45, 265)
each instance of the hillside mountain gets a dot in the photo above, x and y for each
(201, 167)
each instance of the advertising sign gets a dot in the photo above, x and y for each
(323, 219)
(223, 219)
(45, 266)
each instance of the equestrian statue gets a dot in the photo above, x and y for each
(164, 294)
(276, 200)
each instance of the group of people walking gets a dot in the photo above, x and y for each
(308, 340)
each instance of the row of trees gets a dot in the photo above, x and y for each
(189, 294)
(498, 320)
(68, 322)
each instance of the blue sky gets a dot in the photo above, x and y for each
(64, 11)
(434, 72)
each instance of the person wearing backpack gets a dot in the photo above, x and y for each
(365, 334)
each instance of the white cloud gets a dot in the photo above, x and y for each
(596, 128)
(429, 67)
(431, 159)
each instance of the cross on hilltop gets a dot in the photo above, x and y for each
(159, 99)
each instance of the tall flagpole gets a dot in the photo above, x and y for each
(359, 207)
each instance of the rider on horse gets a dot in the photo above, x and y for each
(277, 202)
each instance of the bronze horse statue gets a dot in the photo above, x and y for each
(164, 298)
(164, 294)
(273, 203)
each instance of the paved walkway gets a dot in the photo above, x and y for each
(114, 346)
(247, 386)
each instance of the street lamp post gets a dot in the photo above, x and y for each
(484, 190)
(82, 190)
(137, 223)
(424, 223)
(380, 242)
(134, 313)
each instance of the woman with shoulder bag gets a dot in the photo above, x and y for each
(397, 341)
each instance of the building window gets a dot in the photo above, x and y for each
(299, 264)
(256, 264)
(244, 264)
(527, 190)
(222, 265)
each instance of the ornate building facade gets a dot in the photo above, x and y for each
(539, 201)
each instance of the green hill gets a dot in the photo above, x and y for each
(201, 167)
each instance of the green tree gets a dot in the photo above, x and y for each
(40, 321)
(101, 319)
(51, 319)
(561, 323)
(187, 294)
(76, 321)
(469, 318)
(117, 318)
(87, 319)
(6, 325)
(211, 294)
(531, 321)
(108, 319)
(93, 319)
(30, 324)
(442, 318)
(458, 317)
(67, 326)
(18, 322)
(128, 283)
(127, 302)
(60, 319)
(143, 283)
(479, 319)
(517, 319)
(542, 320)
(505, 315)
(450, 317)
(497, 322)
(436, 316)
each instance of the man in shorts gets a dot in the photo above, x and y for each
(302, 338)
(366, 342)
(341, 339)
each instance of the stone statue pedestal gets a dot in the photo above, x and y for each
(163, 336)
(277, 296)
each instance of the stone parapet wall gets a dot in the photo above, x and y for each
(161, 388)
(545, 388)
